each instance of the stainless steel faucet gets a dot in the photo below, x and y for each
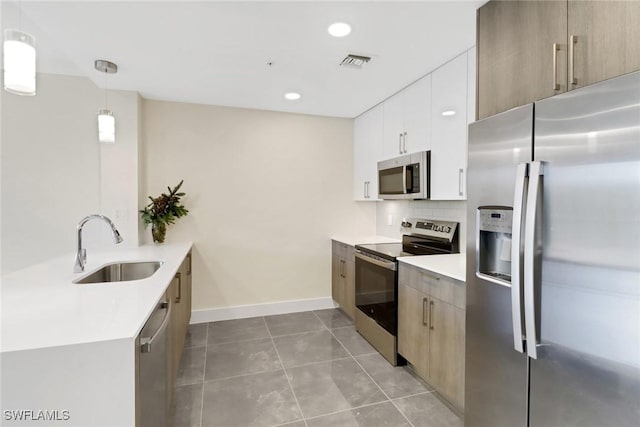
(81, 254)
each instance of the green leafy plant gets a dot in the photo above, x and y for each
(162, 211)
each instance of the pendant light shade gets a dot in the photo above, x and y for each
(106, 121)
(106, 127)
(19, 62)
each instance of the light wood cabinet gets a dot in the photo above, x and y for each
(367, 143)
(407, 120)
(180, 293)
(605, 40)
(530, 50)
(449, 130)
(343, 284)
(413, 327)
(431, 317)
(515, 53)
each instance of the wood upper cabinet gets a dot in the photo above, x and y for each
(407, 120)
(367, 143)
(605, 37)
(530, 50)
(516, 56)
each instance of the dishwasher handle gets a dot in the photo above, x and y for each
(145, 343)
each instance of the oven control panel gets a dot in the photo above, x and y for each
(440, 229)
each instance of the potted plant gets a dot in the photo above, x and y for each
(162, 211)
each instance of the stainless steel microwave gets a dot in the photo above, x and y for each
(405, 177)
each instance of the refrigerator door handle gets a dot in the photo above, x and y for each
(533, 195)
(516, 268)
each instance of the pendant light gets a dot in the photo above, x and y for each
(19, 55)
(106, 120)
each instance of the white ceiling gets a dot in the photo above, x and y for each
(217, 52)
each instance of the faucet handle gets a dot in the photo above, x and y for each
(83, 254)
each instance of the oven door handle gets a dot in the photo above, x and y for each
(389, 265)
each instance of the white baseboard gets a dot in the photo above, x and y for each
(256, 310)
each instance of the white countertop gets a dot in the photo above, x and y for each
(41, 307)
(453, 265)
(364, 240)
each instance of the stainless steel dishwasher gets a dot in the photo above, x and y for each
(153, 368)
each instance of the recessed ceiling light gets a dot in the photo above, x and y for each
(449, 113)
(339, 29)
(292, 96)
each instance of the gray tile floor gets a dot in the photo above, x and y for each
(307, 369)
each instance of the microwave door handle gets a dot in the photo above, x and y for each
(407, 185)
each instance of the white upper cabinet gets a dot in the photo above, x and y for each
(407, 117)
(449, 129)
(367, 143)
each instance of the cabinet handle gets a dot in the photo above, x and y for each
(460, 175)
(400, 143)
(431, 306)
(189, 265)
(424, 311)
(404, 142)
(365, 189)
(572, 41)
(179, 277)
(556, 48)
(368, 184)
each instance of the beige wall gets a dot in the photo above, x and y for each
(265, 192)
(55, 172)
(50, 168)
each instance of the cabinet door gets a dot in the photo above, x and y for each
(413, 332)
(471, 86)
(367, 143)
(446, 350)
(177, 322)
(336, 278)
(349, 288)
(393, 126)
(449, 130)
(417, 116)
(185, 270)
(606, 40)
(516, 56)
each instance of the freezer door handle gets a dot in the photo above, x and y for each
(534, 194)
(516, 258)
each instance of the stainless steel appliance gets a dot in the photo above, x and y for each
(154, 367)
(376, 315)
(553, 262)
(405, 177)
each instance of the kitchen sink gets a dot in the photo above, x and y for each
(121, 272)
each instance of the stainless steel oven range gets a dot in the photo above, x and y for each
(377, 279)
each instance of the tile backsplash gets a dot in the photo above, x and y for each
(394, 211)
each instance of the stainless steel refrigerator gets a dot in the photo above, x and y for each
(553, 262)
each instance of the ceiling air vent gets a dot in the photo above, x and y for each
(354, 61)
